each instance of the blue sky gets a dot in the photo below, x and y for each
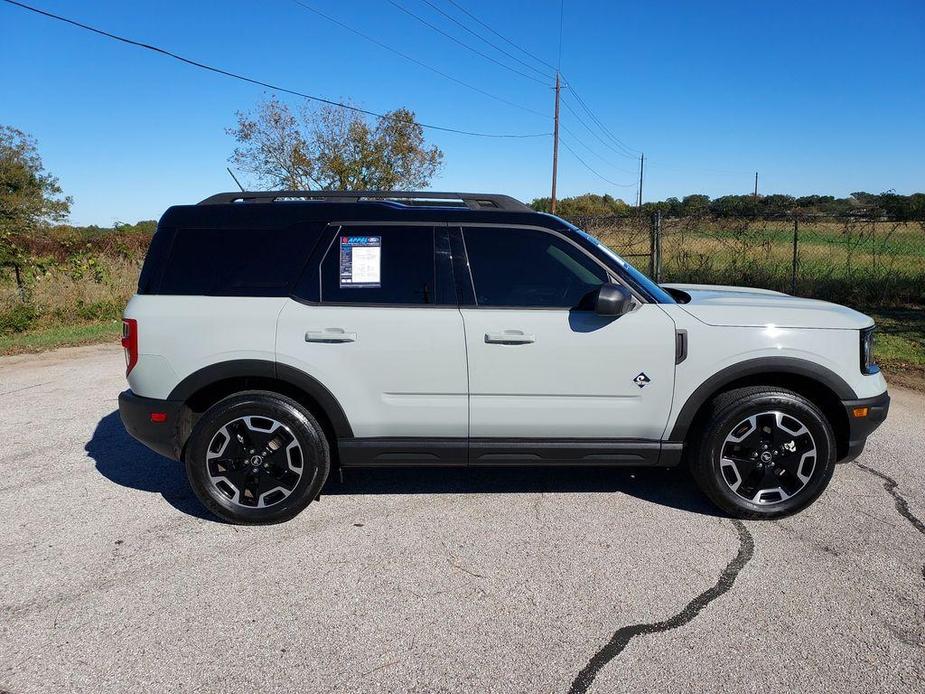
(824, 97)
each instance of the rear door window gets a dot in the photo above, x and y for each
(237, 262)
(386, 264)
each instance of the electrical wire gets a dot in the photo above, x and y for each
(462, 43)
(481, 38)
(593, 132)
(500, 36)
(409, 58)
(268, 85)
(629, 151)
(593, 151)
(592, 170)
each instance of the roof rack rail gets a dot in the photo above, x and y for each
(474, 201)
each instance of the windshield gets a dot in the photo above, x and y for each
(659, 294)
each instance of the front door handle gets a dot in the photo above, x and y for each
(510, 337)
(330, 335)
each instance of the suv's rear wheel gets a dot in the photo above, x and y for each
(257, 458)
(763, 452)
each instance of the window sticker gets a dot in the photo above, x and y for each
(360, 262)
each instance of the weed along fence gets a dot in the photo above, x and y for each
(851, 260)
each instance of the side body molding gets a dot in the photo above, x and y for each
(756, 367)
(261, 369)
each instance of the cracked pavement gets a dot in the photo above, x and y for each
(114, 579)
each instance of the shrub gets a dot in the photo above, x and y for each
(19, 318)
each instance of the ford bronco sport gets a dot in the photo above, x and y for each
(277, 335)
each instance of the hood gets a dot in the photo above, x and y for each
(741, 306)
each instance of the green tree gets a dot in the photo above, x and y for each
(695, 205)
(587, 205)
(332, 148)
(30, 197)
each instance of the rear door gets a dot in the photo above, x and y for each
(377, 323)
(540, 368)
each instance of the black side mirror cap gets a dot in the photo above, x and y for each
(612, 300)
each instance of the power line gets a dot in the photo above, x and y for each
(251, 80)
(500, 36)
(594, 133)
(576, 138)
(486, 41)
(627, 149)
(592, 170)
(409, 58)
(463, 43)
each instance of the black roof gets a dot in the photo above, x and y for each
(276, 208)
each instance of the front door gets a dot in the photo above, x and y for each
(539, 368)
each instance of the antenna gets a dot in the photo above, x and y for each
(230, 173)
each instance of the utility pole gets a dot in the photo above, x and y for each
(555, 150)
(642, 163)
(756, 186)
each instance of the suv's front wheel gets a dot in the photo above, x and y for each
(257, 458)
(763, 452)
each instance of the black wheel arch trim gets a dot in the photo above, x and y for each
(261, 368)
(754, 367)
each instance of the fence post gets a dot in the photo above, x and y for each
(655, 247)
(793, 273)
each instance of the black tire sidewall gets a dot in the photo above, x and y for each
(707, 468)
(303, 426)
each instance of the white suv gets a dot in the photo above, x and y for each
(277, 335)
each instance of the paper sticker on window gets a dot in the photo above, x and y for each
(360, 261)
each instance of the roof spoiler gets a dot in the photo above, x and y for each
(473, 201)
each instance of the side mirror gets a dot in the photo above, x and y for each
(612, 300)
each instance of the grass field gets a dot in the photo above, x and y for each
(842, 262)
(44, 339)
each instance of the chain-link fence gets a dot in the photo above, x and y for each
(851, 260)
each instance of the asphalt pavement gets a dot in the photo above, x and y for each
(114, 579)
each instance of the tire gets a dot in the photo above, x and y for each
(257, 458)
(763, 452)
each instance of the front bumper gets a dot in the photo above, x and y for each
(160, 436)
(860, 427)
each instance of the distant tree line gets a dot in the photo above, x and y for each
(887, 205)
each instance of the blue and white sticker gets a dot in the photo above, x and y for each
(360, 262)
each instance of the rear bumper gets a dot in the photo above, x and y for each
(859, 428)
(160, 436)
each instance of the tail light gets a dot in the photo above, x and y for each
(130, 343)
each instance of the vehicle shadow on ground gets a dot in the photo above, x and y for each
(125, 461)
(673, 488)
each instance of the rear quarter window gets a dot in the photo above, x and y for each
(237, 262)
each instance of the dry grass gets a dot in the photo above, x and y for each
(865, 262)
(61, 296)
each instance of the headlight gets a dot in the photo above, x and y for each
(867, 351)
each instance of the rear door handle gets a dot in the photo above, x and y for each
(510, 337)
(330, 335)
